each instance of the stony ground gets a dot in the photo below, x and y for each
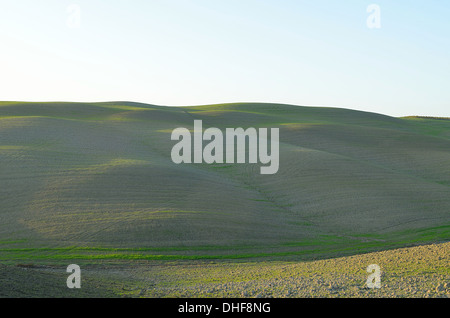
(422, 271)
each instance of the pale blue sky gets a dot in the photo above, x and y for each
(194, 52)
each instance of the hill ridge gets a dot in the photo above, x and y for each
(105, 178)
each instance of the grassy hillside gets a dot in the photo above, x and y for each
(94, 182)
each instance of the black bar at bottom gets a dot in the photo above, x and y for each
(207, 307)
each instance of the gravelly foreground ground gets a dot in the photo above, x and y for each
(422, 271)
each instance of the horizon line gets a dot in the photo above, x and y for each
(226, 103)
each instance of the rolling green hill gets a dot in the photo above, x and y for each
(95, 182)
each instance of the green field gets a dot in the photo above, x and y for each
(94, 184)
